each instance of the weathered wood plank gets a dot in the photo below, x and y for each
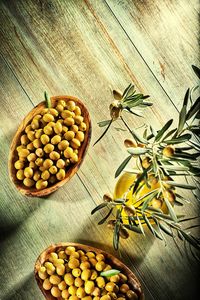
(165, 33)
(80, 49)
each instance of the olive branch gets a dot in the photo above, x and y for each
(161, 157)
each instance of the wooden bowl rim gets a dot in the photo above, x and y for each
(118, 263)
(72, 169)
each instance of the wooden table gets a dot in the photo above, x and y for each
(87, 48)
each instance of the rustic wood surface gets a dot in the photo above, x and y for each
(85, 49)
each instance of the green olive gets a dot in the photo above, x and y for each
(55, 279)
(32, 165)
(20, 175)
(89, 286)
(100, 282)
(54, 155)
(69, 121)
(69, 135)
(31, 135)
(65, 294)
(111, 287)
(53, 170)
(66, 114)
(28, 128)
(123, 277)
(47, 163)
(74, 128)
(30, 146)
(85, 298)
(78, 282)
(61, 174)
(96, 292)
(63, 145)
(58, 128)
(24, 139)
(59, 108)
(48, 118)
(35, 124)
(39, 152)
(68, 152)
(93, 261)
(37, 143)
(48, 130)
(28, 172)
(28, 182)
(94, 275)
(60, 163)
(60, 121)
(37, 117)
(41, 184)
(46, 284)
(56, 139)
(65, 128)
(76, 272)
(44, 111)
(72, 290)
(131, 295)
(44, 139)
(62, 254)
(36, 175)
(80, 293)
(77, 111)
(124, 288)
(39, 161)
(55, 292)
(71, 105)
(19, 164)
(100, 257)
(60, 269)
(62, 102)
(53, 112)
(45, 175)
(115, 278)
(85, 275)
(74, 143)
(23, 152)
(82, 127)
(48, 148)
(100, 265)
(73, 262)
(62, 286)
(80, 136)
(74, 158)
(78, 120)
(42, 275)
(69, 279)
(38, 133)
(50, 268)
(85, 265)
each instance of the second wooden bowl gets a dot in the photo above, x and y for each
(70, 171)
(113, 261)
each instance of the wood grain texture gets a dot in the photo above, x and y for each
(166, 34)
(13, 155)
(79, 48)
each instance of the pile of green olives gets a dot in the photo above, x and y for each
(50, 144)
(74, 274)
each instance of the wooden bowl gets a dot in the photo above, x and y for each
(70, 171)
(116, 263)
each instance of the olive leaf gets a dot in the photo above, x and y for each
(171, 210)
(181, 185)
(163, 130)
(166, 228)
(194, 109)
(122, 166)
(116, 235)
(148, 199)
(103, 123)
(47, 100)
(98, 207)
(104, 132)
(181, 139)
(137, 151)
(109, 273)
(196, 71)
(132, 228)
(106, 217)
